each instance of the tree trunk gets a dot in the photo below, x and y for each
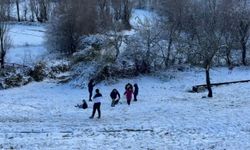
(244, 53)
(9, 9)
(2, 54)
(18, 11)
(146, 63)
(2, 60)
(118, 43)
(117, 52)
(126, 14)
(168, 52)
(210, 92)
(229, 63)
(32, 16)
(45, 12)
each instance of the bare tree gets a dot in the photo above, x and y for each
(143, 47)
(243, 29)
(25, 10)
(32, 6)
(122, 11)
(105, 17)
(70, 21)
(43, 9)
(4, 37)
(173, 12)
(40, 10)
(116, 37)
(7, 8)
(206, 36)
(127, 9)
(18, 10)
(117, 8)
(229, 29)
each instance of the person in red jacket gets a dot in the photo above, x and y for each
(129, 94)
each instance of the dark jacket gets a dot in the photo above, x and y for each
(115, 94)
(136, 90)
(84, 105)
(91, 85)
(98, 98)
(128, 86)
(98, 95)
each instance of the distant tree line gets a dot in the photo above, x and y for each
(205, 30)
(198, 32)
(73, 19)
(189, 31)
(28, 10)
(4, 34)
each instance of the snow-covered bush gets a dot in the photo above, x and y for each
(86, 55)
(18, 75)
(13, 76)
(114, 71)
(44, 70)
(39, 72)
(81, 73)
(95, 41)
(16, 80)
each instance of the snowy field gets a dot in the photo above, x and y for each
(27, 44)
(43, 116)
(166, 116)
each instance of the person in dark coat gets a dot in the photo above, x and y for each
(84, 105)
(97, 104)
(115, 96)
(90, 88)
(136, 91)
(127, 86)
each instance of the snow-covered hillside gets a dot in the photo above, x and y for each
(166, 116)
(41, 115)
(27, 44)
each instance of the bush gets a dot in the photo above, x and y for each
(39, 73)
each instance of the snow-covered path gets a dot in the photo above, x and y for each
(43, 116)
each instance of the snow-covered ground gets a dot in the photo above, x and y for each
(141, 17)
(166, 116)
(43, 116)
(27, 44)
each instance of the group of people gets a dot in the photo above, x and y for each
(114, 95)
